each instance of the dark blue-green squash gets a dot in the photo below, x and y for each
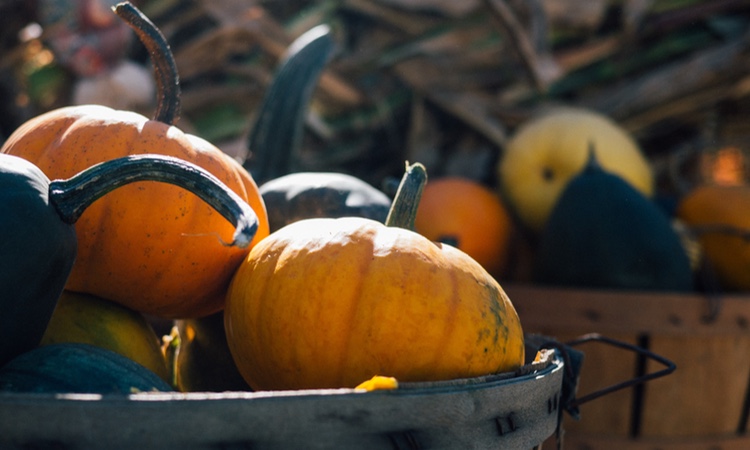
(603, 233)
(307, 195)
(77, 368)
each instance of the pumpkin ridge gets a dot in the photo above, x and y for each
(449, 326)
(368, 251)
(501, 300)
(247, 280)
(259, 308)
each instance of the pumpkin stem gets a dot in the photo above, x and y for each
(592, 162)
(276, 136)
(403, 210)
(165, 68)
(72, 196)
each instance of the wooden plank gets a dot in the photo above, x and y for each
(607, 312)
(705, 395)
(583, 442)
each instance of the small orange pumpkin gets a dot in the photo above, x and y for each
(326, 303)
(165, 259)
(467, 215)
(719, 217)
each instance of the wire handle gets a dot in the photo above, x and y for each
(596, 337)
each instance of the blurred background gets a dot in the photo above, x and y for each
(436, 81)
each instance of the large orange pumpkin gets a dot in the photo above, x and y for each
(149, 246)
(469, 216)
(325, 303)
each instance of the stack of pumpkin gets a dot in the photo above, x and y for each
(144, 221)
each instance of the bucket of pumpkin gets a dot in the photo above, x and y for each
(345, 333)
(315, 313)
(605, 258)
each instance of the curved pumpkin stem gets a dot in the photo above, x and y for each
(165, 68)
(276, 137)
(403, 210)
(72, 196)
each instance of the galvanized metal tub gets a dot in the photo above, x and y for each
(517, 410)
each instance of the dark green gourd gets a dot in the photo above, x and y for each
(290, 194)
(603, 233)
(306, 195)
(36, 255)
(77, 368)
(39, 243)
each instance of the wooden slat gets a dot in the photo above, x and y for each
(705, 394)
(604, 366)
(583, 442)
(607, 312)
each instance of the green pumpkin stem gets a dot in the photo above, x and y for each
(165, 68)
(72, 196)
(403, 210)
(276, 137)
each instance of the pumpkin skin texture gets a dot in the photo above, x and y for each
(719, 217)
(547, 151)
(467, 215)
(152, 247)
(326, 303)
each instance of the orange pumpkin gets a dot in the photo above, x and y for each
(467, 215)
(325, 303)
(719, 217)
(149, 246)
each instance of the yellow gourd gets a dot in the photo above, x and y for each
(548, 150)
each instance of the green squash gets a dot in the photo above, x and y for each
(38, 235)
(307, 195)
(77, 368)
(603, 233)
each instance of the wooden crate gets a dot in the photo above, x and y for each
(703, 404)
